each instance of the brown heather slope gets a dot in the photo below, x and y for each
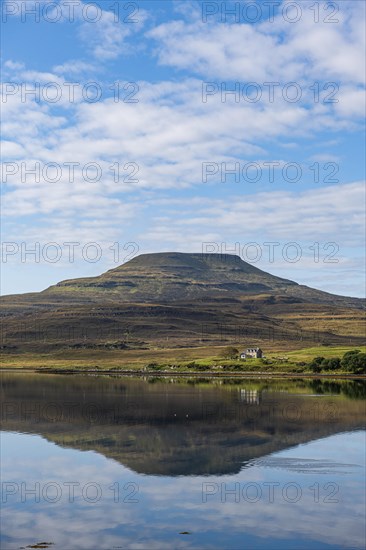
(174, 300)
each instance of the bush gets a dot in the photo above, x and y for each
(230, 352)
(354, 361)
(238, 366)
(315, 368)
(321, 363)
(333, 363)
(202, 367)
(153, 366)
(316, 363)
(317, 360)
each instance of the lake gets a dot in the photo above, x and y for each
(103, 462)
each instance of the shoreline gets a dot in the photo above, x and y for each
(195, 374)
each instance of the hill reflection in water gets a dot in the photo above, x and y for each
(179, 428)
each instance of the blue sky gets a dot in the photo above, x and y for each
(297, 156)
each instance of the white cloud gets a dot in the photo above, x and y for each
(74, 67)
(312, 214)
(330, 51)
(13, 65)
(106, 37)
(11, 150)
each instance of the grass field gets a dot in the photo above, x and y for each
(177, 359)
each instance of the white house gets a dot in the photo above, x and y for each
(251, 353)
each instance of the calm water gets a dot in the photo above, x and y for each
(108, 463)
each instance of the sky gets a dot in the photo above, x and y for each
(150, 126)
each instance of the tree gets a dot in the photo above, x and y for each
(316, 364)
(230, 352)
(333, 363)
(321, 363)
(315, 367)
(354, 361)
